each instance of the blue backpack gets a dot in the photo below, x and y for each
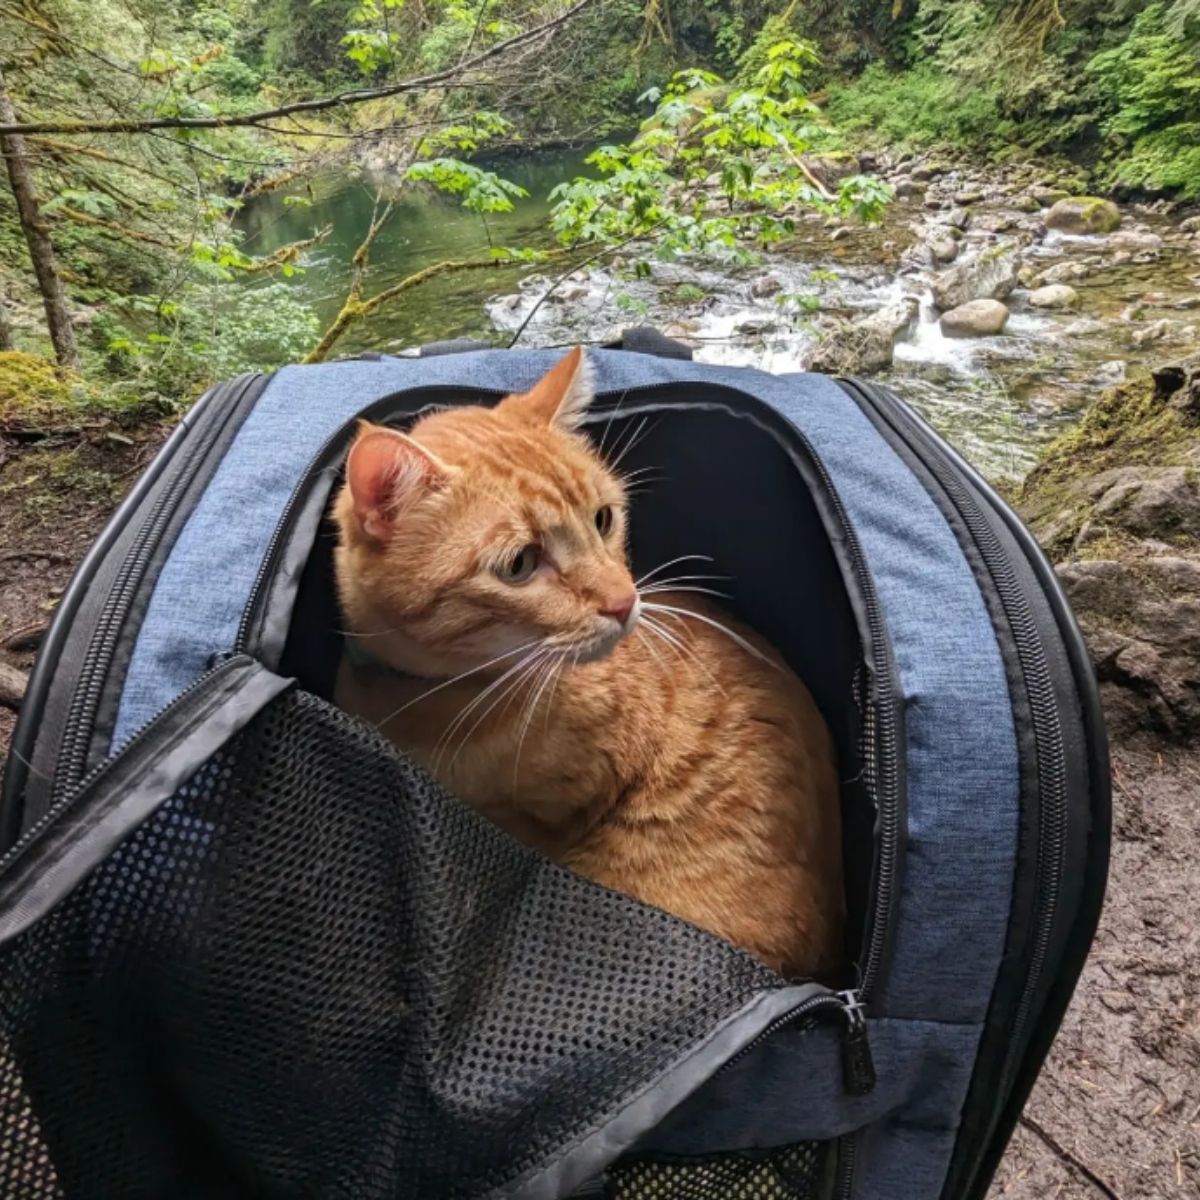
(247, 949)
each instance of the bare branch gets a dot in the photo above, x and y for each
(438, 79)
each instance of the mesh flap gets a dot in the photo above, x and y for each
(312, 973)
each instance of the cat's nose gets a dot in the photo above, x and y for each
(619, 607)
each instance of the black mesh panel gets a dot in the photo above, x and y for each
(311, 974)
(799, 1172)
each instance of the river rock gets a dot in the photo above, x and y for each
(968, 196)
(867, 344)
(1027, 204)
(1190, 225)
(1062, 273)
(1056, 295)
(906, 188)
(1109, 374)
(1083, 214)
(943, 248)
(958, 217)
(754, 323)
(991, 275)
(994, 222)
(1049, 196)
(766, 285)
(1154, 332)
(976, 318)
(1136, 241)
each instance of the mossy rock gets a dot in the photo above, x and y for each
(1083, 214)
(1130, 429)
(36, 397)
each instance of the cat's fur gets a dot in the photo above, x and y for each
(698, 777)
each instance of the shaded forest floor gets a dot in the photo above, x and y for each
(1116, 1112)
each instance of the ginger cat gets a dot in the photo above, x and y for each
(495, 634)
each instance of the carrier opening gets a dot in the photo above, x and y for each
(731, 485)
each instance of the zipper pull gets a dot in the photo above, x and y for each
(858, 1067)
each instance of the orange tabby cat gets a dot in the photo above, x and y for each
(498, 637)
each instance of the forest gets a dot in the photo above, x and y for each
(121, 252)
(990, 206)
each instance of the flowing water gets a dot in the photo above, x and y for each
(999, 399)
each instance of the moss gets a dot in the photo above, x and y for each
(1126, 426)
(32, 394)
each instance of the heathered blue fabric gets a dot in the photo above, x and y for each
(961, 766)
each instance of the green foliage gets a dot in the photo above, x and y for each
(482, 191)
(921, 106)
(1152, 82)
(715, 168)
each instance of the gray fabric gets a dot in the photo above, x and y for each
(962, 759)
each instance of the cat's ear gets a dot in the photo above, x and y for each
(385, 472)
(561, 396)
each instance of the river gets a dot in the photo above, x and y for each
(999, 398)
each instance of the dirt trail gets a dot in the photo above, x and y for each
(1117, 1110)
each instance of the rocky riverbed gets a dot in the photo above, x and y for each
(996, 300)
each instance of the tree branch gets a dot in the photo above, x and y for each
(1069, 1157)
(355, 309)
(229, 120)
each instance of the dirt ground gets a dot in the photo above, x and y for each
(1116, 1112)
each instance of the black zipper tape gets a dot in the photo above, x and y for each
(1042, 707)
(74, 751)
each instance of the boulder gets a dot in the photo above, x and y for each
(1141, 618)
(1056, 295)
(1062, 272)
(991, 275)
(943, 248)
(867, 344)
(1083, 214)
(976, 318)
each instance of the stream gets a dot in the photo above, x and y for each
(997, 398)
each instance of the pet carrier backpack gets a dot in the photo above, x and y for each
(247, 949)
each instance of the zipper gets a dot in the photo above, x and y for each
(89, 689)
(880, 719)
(222, 666)
(858, 1067)
(1051, 757)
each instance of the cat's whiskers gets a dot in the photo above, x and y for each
(647, 641)
(457, 679)
(670, 563)
(608, 424)
(637, 436)
(736, 638)
(538, 688)
(518, 669)
(672, 586)
(504, 697)
(685, 650)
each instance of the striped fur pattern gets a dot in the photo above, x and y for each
(630, 730)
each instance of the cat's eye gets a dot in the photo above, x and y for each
(521, 566)
(604, 520)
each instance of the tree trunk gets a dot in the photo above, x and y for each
(6, 333)
(58, 319)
